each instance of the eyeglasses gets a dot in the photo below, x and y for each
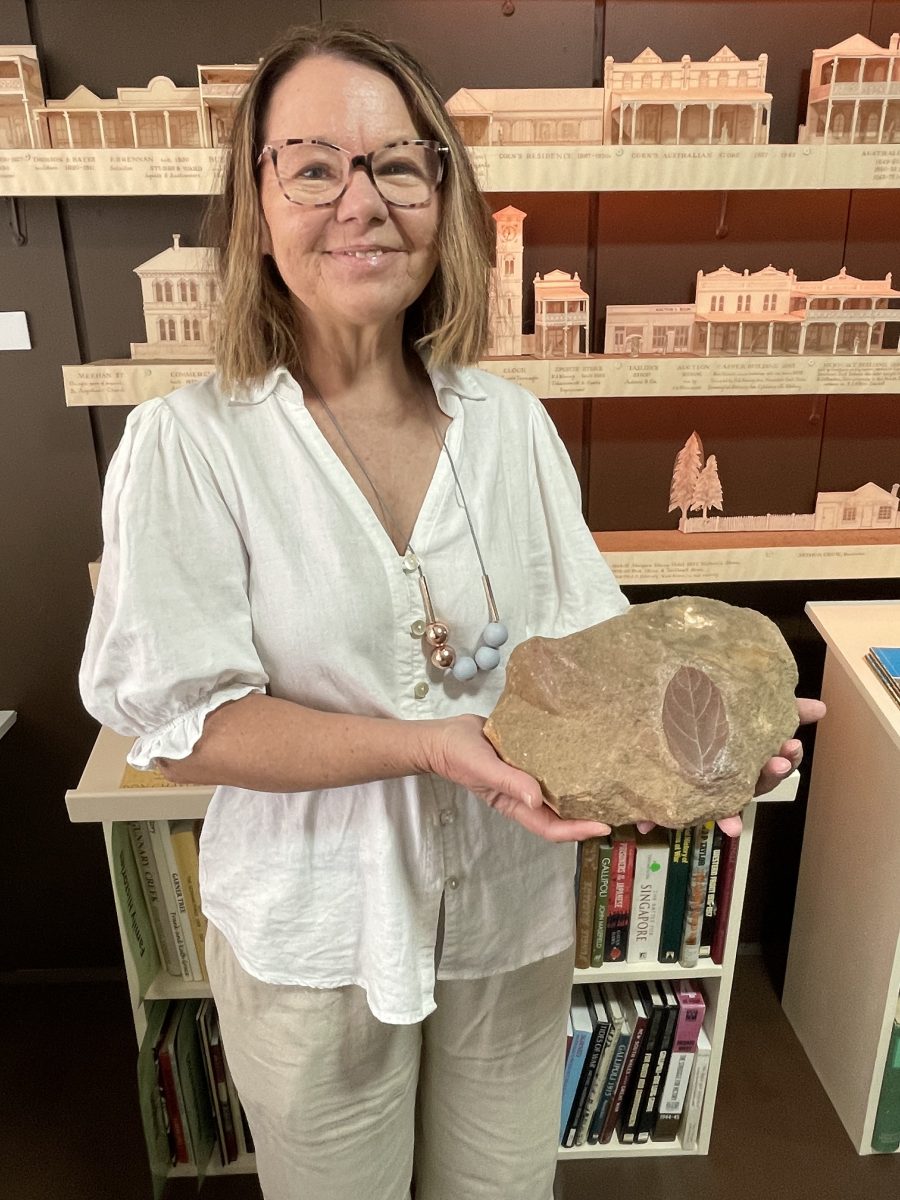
(311, 171)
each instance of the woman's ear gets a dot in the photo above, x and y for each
(265, 237)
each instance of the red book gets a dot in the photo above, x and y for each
(724, 888)
(167, 1082)
(621, 881)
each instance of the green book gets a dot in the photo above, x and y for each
(677, 880)
(133, 907)
(602, 902)
(153, 1116)
(886, 1134)
(195, 1100)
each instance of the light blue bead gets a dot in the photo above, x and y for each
(495, 634)
(487, 657)
(464, 668)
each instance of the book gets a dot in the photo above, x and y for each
(724, 890)
(602, 902)
(693, 1103)
(636, 1017)
(150, 886)
(659, 1061)
(170, 878)
(214, 1062)
(154, 1118)
(886, 1131)
(709, 906)
(696, 900)
(582, 1030)
(618, 909)
(651, 864)
(158, 835)
(136, 919)
(677, 880)
(168, 1082)
(885, 662)
(185, 845)
(195, 1102)
(691, 1011)
(584, 909)
(600, 1021)
(598, 1088)
(616, 1001)
(635, 1101)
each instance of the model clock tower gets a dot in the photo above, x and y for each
(506, 290)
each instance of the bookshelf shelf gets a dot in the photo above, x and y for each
(195, 171)
(847, 894)
(245, 1165)
(616, 1149)
(127, 382)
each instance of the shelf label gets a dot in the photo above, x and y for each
(190, 171)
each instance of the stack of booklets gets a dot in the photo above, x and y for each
(886, 1133)
(885, 662)
(637, 1060)
(157, 880)
(663, 896)
(189, 1105)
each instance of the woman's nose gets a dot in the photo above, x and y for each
(361, 200)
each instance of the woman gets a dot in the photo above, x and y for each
(389, 904)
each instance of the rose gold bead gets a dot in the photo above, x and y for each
(443, 656)
(436, 633)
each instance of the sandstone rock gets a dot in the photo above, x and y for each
(665, 713)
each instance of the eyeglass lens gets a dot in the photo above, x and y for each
(315, 174)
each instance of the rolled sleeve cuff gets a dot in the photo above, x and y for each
(178, 737)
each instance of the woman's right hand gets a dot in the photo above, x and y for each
(457, 749)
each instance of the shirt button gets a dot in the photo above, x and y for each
(452, 883)
(447, 816)
(420, 691)
(417, 629)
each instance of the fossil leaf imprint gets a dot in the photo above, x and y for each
(694, 721)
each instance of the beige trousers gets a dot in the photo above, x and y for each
(344, 1107)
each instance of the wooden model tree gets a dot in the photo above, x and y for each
(708, 491)
(685, 474)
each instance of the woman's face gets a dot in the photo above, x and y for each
(358, 109)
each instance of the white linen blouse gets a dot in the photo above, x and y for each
(240, 556)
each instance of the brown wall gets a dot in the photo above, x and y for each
(74, 277)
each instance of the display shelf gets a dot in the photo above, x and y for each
(129, 382)
(245, 1165)
(672, 557)
(843, 968)
(7, 720)
(196, 171)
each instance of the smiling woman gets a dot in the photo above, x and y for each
(390, 905)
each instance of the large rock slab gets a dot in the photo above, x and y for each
(665, 713)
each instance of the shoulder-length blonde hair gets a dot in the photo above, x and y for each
(256, 325)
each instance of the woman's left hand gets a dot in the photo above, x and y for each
(777, 768)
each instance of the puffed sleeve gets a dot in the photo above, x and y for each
(576, 572)
(170, 637)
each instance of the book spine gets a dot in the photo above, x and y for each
(606, 1037)
(727, 871)
(651, 861)
(693, 1105)
(619, 906)
(677, 881)
(217, 1058)
(587, 892)
(671, 1103)
(598, 1121)
(187, 860)
(693, 917)
(203, 1032)
(659, 1065)
(886, 1132)
(635, 1046)
(169, 1085)
(184, 921)
(149, 880)
(574, 1066)
(708, 923)
(158, 833)
(602, 902)
(586, 1082)
(635, 1102)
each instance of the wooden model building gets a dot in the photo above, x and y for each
(854, 93)
(763, 313)
(649, 102)
(20, 92)
(528, 116)
(179, 292)
(696, 486)
(505, 325)
(561, 316)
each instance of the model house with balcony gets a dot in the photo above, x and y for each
(221, 87)
(179, 293)
(722, 100)
(854, 93)
(528, 116)
(561, 316)
(20, 93)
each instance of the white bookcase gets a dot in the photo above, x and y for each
(99, 797)
(843, 970)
